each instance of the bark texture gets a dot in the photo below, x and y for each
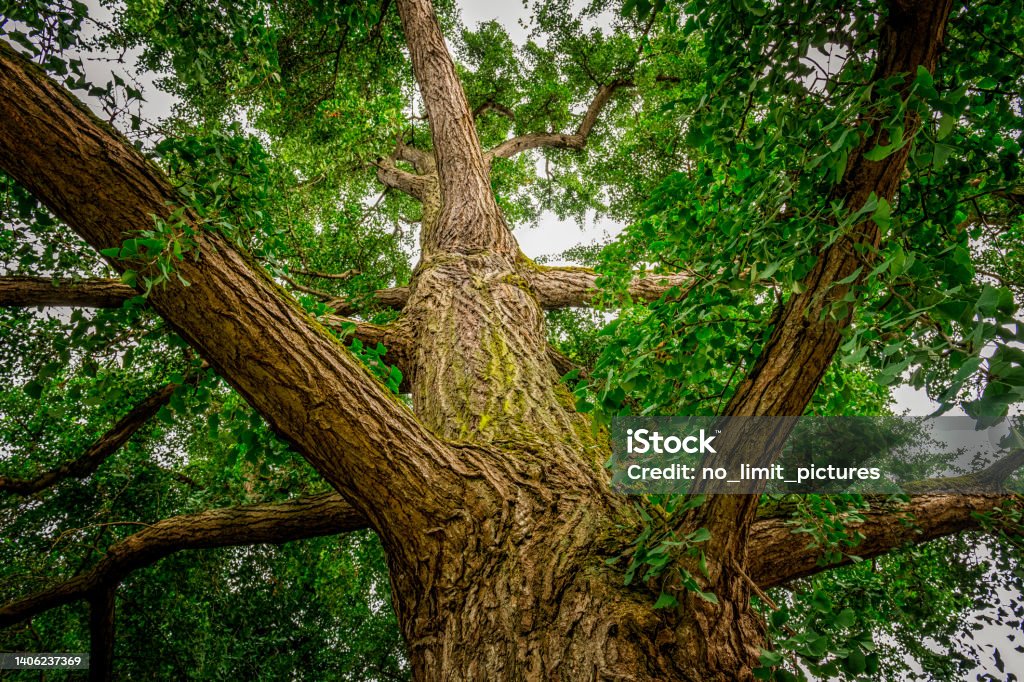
(779, 555)
(41, 291)
(801, 347)
(568, 287)
(576, 140)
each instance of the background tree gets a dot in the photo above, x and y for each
(269, 365)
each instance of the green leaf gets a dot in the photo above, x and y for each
(882, 214)
(34, 390)
(708, 597)
(666, 601)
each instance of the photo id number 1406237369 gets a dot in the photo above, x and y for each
(47, 661)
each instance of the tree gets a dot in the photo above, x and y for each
(504, 541)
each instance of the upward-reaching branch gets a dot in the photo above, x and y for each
(313, 392)
(805, 339)
(470, 220)
(106, 445)
(576, 140)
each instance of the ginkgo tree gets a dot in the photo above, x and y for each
(822, 199)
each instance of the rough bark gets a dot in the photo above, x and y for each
(778, 555)
(470, 220)
(555, 287)
(97, 453)
(800, 349)
(394, 297)
(576, 140)
(567, 287)
(308, 517)
(18, 291)
(42, 291)
(361, 438)
(805, 338)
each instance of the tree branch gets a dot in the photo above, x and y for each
(555, 287)
(102, 628)
(805, 338)
(307, 517)
(457, 148)
(565, 287)
(107, 444)
(577, 140)
(394, 297)
(491, 105)
(990, 480)
(469, 219)
(777, 555)
(422, 161)
(390, 175)
(111, 293)
(395, 337)
(312, 391)
(18, 291)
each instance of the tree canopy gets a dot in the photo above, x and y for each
(282, 396)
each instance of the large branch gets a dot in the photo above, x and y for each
(18, 291)
(469, 220)
(307, 517)
(555, 287)
(393, 297)
(456, 146)
(418, 186)
(111, 293)
(565, 287)
(778, 555)
(806, 337)
(313, 392)
(576, 140)
(106, 445)
(989, 480)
